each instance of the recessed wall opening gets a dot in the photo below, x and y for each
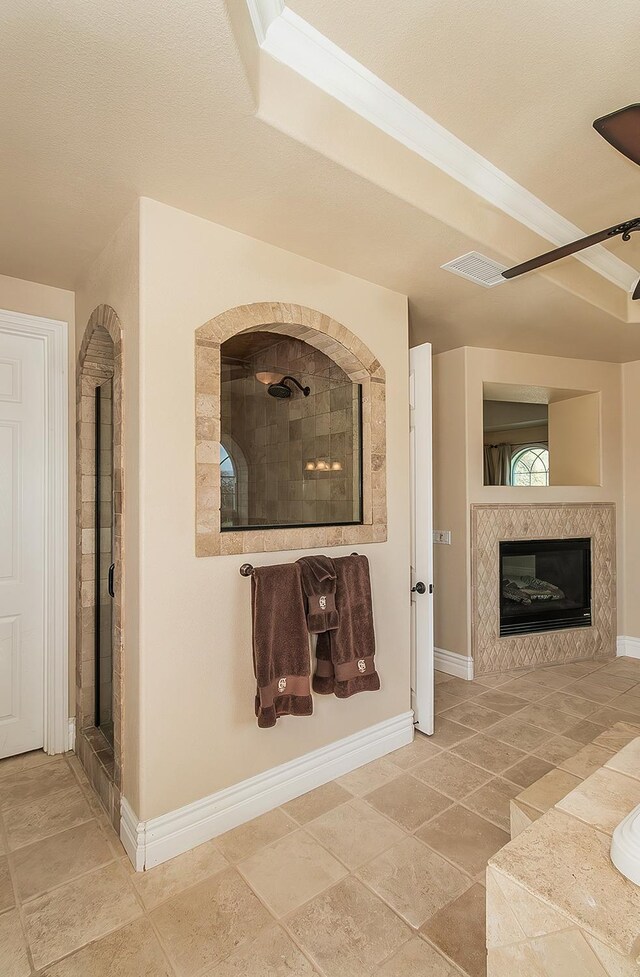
(537, 436)
(291, 436)
(545, 585)
(363, 502)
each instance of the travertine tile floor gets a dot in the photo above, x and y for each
(378, 874)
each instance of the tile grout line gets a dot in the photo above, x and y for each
(351, 873)
(87, 790)
(95, 870)
(281, 921)
(80, 875)
(18, 904)
(549, 691)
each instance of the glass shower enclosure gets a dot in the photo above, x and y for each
(104, 564)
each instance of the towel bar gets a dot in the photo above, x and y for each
(247, 568)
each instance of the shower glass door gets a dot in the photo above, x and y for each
(104, 566)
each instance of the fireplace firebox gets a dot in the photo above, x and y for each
(545, 585)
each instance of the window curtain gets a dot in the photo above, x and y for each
(497, 464)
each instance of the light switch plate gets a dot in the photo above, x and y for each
(442, 536)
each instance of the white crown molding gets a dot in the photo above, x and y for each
(263, 13)
(627, 647)
(149, 843)
(453, 664)
(288, 38)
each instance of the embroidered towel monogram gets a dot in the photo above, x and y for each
(319, 585)
(345, 656)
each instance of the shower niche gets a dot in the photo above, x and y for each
(290, 436)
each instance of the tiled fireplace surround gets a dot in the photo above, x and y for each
(492, 523)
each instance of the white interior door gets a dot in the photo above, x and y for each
(421, 537)
(22, 542)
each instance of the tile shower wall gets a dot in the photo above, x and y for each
(301, 456)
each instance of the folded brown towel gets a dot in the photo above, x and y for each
(280, 644)
(319, 585)
(345, 656)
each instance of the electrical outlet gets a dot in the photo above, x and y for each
(442, 536)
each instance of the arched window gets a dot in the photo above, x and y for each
(228, 488)
(530, 465)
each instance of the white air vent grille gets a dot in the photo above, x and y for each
(476, 267)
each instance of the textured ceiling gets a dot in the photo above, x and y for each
(521, 83)
(102, 103)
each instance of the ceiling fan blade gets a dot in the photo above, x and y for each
(636, 291)
(567, 249)
(622, 130)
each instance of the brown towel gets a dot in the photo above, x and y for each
(345, 657)
(319, 585)
(280, 644)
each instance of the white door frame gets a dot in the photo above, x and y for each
(422, 650)
(53, 334)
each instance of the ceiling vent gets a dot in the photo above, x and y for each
(476, 267)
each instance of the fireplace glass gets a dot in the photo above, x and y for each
(545, 585)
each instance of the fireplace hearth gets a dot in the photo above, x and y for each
(545, 585)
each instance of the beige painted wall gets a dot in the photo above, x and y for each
(574, 441)
(631, 435)
(458, 386)
(31, 298)
(450, 493)
(198, 729)
(113, 279)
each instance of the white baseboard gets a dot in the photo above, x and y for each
(149, 843)
(452, 664)
(132, 835)
(71, 742)
(627, 647)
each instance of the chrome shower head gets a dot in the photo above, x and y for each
(283, 391)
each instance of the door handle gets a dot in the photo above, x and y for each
(419, 588)
(110, 580)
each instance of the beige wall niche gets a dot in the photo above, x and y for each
(575, 451)
(198, 728)
(31, 298)
(461, 378)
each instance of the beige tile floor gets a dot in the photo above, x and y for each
(378, 874)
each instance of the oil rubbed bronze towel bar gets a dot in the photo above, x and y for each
(247, 569)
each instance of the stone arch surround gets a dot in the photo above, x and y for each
(358, 362)
(99, 358)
